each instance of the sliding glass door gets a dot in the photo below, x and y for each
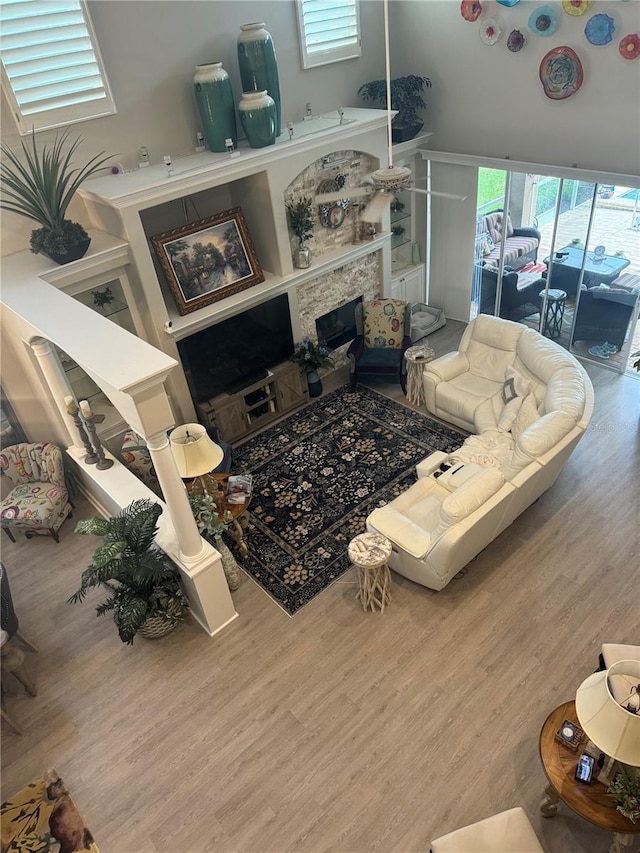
(562, 256)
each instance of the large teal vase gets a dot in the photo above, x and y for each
(258, 116)
(258, 64)
(216, 106)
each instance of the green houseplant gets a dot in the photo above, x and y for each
(40, 186)
(143, 588)
(406, 98)
(212, 526)
(301, 222)
(311, 356)
(625, 792)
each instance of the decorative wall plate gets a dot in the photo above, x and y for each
(470, 10)
(508, 2)
(575, 7)
(331, 215)
(516, 41)
(600, 29)
(543, 21)
(629, 46)
(490, 31)
(560, 73)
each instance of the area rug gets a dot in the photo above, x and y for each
(316, 477)
(42, 818)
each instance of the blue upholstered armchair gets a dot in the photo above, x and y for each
(383, 329)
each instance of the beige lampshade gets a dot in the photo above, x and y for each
(613, 729)
(193, 450)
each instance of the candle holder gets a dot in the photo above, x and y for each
(102, 462)
(72, 407)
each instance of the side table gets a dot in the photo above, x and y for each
(552, 325)
(369, 552)
(591, 802)
(416, 358)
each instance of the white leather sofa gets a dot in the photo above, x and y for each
(507, 832)
(446, 518)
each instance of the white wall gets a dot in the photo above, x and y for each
(489, 101)
(484, 100)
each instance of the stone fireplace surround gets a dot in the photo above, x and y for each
(318, 297)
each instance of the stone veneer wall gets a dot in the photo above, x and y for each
(357, 166)
(318, 297)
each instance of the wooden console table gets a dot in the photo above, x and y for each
(589, 801)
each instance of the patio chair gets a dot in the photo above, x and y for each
(605, 314)
(518, 300)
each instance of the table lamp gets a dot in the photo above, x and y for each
(196, 456)
(608, 709)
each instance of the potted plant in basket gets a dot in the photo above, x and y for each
(144, 591)
(41, 189)
(406, 98)
(312, 356)
(301, 221)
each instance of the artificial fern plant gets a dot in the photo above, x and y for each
(41, 185)
(141, 582)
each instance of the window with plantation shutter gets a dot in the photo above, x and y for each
(52, 72)
(329, 31)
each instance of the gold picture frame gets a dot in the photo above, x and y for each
(208, 260)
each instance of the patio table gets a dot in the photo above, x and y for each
(566, 272)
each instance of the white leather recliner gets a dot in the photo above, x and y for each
(507, 832)
(445, 519)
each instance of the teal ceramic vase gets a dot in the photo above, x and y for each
(258, 116)
(258, 64)
(315, 384)
(216, 106)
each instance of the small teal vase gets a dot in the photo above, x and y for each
(216, 106)
(257, 113)
(315, 384)
(258, 64)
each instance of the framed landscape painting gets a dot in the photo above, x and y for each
(208, 260)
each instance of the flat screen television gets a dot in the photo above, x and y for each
(239, 351)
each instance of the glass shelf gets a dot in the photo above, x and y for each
(398, 240)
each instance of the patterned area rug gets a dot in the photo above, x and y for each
(42, 818)
(316, 477)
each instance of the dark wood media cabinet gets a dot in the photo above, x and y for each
(238, 415)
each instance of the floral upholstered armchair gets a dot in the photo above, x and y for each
(39, 501)
(383, 329)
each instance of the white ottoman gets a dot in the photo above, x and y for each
(506, 832)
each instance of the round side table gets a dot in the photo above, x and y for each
(416, 358)
(556, 299)
(369, 552)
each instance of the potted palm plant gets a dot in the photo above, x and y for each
(40, 186)
(406, 98)
(301, 221)
(143, 588)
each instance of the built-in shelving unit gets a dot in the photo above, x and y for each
(142, 204)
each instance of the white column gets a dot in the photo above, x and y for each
(190, 542)
(203, 577)
(58, 384)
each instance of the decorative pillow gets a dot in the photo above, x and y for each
(486, 244)
(509, 414)
(514, 385)
(527, 415)
(136, 457)
(383, 321)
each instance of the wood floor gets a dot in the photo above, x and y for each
(338, 730)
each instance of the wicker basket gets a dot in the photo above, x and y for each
(155, 627)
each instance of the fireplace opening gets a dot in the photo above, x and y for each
(337, 327)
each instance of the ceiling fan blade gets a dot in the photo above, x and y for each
(376, 207)
(345, 192)
(437, 193)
